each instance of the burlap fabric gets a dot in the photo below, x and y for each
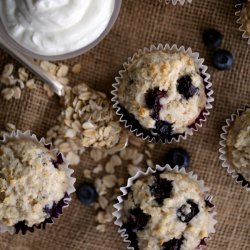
(142, 23)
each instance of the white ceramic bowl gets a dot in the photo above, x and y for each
(15, 45)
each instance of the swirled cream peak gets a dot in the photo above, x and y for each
(52, 27)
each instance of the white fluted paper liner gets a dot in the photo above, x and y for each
(223, 147)
(203, 71)
(174, 2)
(239, 8)
(65, 166)
(119, 206)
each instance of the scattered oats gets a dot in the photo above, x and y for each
(91, 133)
(128, 153)
(49, 67)
(8, 70)
(91, 114)
(103, 190)
(17, 93)
(21, 83)
(137, 159)
(10, 127)
(88, 125)
(103, 202)
(6, 80)
(87, 141)
(64, 147)
(98, 169)
(101, 228)
(8, 93)
(135, 141)
(151, 145)
(116, 160)
(150, 163)
(22, 74)
(109, 167)
(132, 170)
(100, 217)
(109, 180)
(76, 69)
(148, 154)
(48, 90)
(73, 158)
(70, 133)
(62, 71)
(98, 184)
(76, 125)
(31, 84)
(108, 217)
(107, 131)
(87, 173)
(63, 80)
(96, 155)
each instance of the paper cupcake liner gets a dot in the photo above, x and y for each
(118, 206)
(223, 150)
(57, 209)
(142, 133)
(174, 2)
(239, 8)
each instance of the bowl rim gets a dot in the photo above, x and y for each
(17, 46)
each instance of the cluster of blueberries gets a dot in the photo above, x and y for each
(222, 59)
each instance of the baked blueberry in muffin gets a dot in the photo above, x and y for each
(162, 93)
(167, 210)
(33, 184)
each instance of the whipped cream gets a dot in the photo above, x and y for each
(53, 27)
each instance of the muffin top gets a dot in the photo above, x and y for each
(31, 182)
(238, 145)
(163, 87)
(245, 17)
(167, 211)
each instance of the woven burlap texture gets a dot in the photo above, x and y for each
(142, 23)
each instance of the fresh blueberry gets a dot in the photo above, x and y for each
(174, 244)
(212, 38)
(185, 87)
(179, 157)
(187, 211)
(86, 193)
(161, 189)
(222, 59)
(138, 219)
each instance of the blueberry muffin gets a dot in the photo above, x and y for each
(167, 211)
(162, 93)
(32, 183)
(238, 146)
(245, 17)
